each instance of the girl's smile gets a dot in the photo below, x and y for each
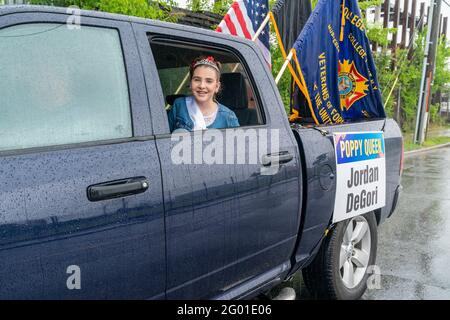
(204, 85)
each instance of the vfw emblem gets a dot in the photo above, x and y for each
(352, 84)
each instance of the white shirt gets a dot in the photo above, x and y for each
(201, 122)
(195, 114)
(209, 120)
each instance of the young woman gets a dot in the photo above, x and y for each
(201, 110)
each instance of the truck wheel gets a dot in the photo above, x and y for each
(339, 271)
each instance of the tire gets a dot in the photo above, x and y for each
(339, 271)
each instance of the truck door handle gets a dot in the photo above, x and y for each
(117, 188)
(279, 157)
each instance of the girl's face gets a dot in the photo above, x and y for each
(204, 84)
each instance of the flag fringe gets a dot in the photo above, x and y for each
(341, 36)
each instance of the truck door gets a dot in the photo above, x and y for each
(227, 223)
(81, 209)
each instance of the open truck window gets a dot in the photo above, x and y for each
(237, 91)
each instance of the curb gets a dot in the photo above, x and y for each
(414, 152)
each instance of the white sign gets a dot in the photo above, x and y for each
(361, 174)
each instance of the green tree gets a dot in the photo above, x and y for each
(198, 5)
(407, 77)
(284, 86)
(221, 6)
(160, 10)
(218, 6)
(441, 82)
(442, 74)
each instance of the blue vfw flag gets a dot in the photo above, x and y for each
(336, 64)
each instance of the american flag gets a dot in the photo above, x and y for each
(244, 18)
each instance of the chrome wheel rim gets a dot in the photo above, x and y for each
(355, 252)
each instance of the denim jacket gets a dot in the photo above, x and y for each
(179, 117)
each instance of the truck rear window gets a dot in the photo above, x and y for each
(61, 86)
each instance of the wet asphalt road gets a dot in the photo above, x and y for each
(414, 244)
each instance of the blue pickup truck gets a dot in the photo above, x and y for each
(93, 204)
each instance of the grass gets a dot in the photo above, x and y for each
(436, 141)
(430, 142)
(437, 134)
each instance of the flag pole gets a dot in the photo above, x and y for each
(261, 27)
(390, 92)
(341, 36)
(285, 65)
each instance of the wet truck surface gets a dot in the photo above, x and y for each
(96, 203)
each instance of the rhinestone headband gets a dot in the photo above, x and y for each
(209, 61)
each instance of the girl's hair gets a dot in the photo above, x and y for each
(208, 61)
